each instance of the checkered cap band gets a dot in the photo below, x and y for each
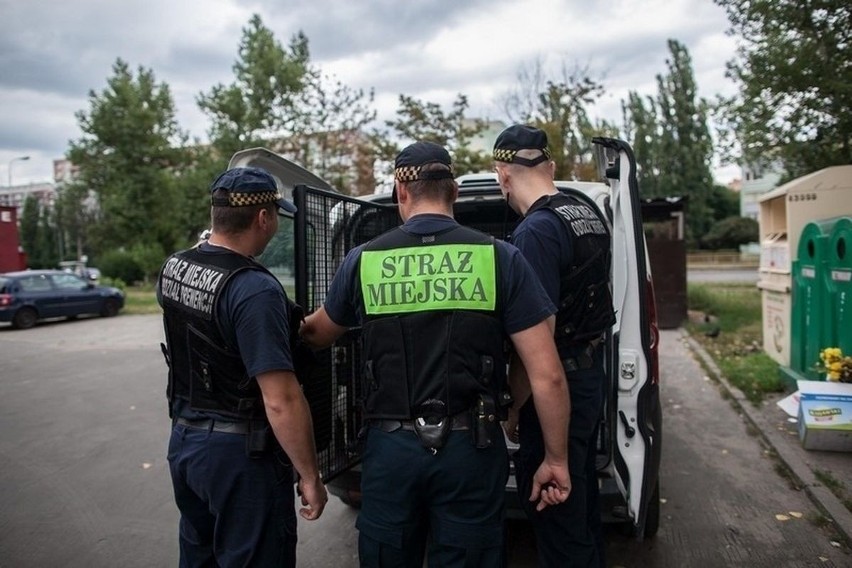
(412, 173)
(504, 155)
(255, 198)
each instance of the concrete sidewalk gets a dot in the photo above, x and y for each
(780, 434)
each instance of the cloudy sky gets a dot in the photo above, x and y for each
(52, 53)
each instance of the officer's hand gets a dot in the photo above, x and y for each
(551, 484)
(314, 498)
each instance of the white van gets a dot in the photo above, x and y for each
(307, 251)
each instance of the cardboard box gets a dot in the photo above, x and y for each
(825, 415)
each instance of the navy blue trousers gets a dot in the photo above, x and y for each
(569, 534)
(234, 510)
(450, 503)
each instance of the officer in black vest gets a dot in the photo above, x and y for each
(240, 421)
(436, 301)
(568, 244)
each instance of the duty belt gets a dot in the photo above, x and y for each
(214, 425)
(460, 421)
(585, 359)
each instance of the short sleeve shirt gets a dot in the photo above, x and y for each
(524, 302)
(547, 246)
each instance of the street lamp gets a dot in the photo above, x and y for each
(19, 158)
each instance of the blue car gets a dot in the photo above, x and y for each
(30, 295)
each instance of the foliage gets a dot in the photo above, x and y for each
(128, 155)
(260, 104)
(29, 226)
(76, 213)
(38, 234)
(794, 71)
(418, 120)
(328, 138)
(113, 282)
(122, 265)
(735, 343)
(730, 233)
(672, 142)
(560, 108)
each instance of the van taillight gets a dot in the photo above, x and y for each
(654, 331)
(5, 300)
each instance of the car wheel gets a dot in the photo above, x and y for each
(110, 308)
(24, 318)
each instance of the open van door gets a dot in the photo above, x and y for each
(304, 255)
(635, 412)
(327, 226)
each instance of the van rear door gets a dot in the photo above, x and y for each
(635, 414)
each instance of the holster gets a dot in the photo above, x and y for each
(484, 421)
(258, 439)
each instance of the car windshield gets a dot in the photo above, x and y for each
(3, 283)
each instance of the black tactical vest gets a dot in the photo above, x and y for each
(202, 369)
(585, 299)
(424, 354)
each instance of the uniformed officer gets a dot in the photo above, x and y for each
(240, 421)
(568, 245)
(436, 300)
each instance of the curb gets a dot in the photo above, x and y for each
(824, 499)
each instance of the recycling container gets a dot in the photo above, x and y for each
(839, 283)
(811, 326)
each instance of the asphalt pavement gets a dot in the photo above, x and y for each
(84, 482)
(780, 432)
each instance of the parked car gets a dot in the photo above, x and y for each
(30, 295)
(328, 224)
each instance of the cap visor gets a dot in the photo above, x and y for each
(285, 207)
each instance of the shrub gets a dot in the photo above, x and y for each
(730, 233)
(120, 264)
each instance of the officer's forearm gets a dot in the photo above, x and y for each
(553, 406)
(290, 417)
(537, 352)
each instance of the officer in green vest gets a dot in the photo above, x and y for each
(436, 302)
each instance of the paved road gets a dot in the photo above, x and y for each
(706, 275)
(84, 482)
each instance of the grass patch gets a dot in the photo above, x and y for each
(731, 333)
(835, 486)
(140, 300)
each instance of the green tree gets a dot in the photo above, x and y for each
(328, 138)
(427, 121)
(675, 141)
(46, 251)
(29, 225)
(794, 71)
(75, 212)
(560, 108)
(128, 154)
(261, 103)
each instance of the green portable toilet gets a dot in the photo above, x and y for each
(839, 302)
(811, 328)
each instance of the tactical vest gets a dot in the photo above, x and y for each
(585, 309)
(432, 339)
(202, 369)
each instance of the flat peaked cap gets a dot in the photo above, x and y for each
(521, 137)
(409, 163)
(249, 186)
